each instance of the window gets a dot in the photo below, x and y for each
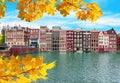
(77, 45)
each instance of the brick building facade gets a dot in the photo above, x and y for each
(94, 40)
(17, 36)
(34, 38)
(112, 40)
(69, 40)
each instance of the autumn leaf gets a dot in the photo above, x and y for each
(12, 0)
(18, 68)
(30, 10)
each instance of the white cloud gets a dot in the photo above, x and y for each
(69, 22)
(111, 20)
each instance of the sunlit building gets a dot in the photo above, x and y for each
(42, 40)
(103, 41)
(17, 36)
(94, 40)
(34, 38)
(62, 40)
(49, 40)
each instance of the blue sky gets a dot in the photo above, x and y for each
(110, 18)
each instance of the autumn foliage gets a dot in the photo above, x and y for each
(30, 10)
(17, 70)
(23, 70)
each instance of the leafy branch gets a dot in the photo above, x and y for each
(31, 10)
(16, 69)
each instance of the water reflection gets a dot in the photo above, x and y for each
(74, 67)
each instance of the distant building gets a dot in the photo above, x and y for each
(112, 40)
(86, 41)
(78, 39)
(34, 38)
(5, 28)
(100, 42)
(55, 37)
(17, 36)
(118, 42)
(49, 40)
(103, 42)
(69, 40)
(106, 41)
(94, 40)
(43, 42)
(62, 40)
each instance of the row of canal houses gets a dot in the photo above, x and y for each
(57, 39)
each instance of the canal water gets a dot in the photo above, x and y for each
(74, 67)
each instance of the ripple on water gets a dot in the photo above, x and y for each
(82, 67)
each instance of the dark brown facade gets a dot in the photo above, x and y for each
(118, 42)
(55, 38)
(94, 40)
(87, 41)
(112, 40)
(69, 40)
(78, 39)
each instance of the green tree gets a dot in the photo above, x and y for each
(2, 39)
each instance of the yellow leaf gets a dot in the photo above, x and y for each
(12, 0)
(51, 65)
(3, 1)
(13, 67)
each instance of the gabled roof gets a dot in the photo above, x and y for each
(105, 32)
(101, 32)
(111, 31)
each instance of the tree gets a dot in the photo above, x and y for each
(2, 39)
(23, 70)
(30, 10)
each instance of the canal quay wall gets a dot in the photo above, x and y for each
(4, 52)
(18, 51)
